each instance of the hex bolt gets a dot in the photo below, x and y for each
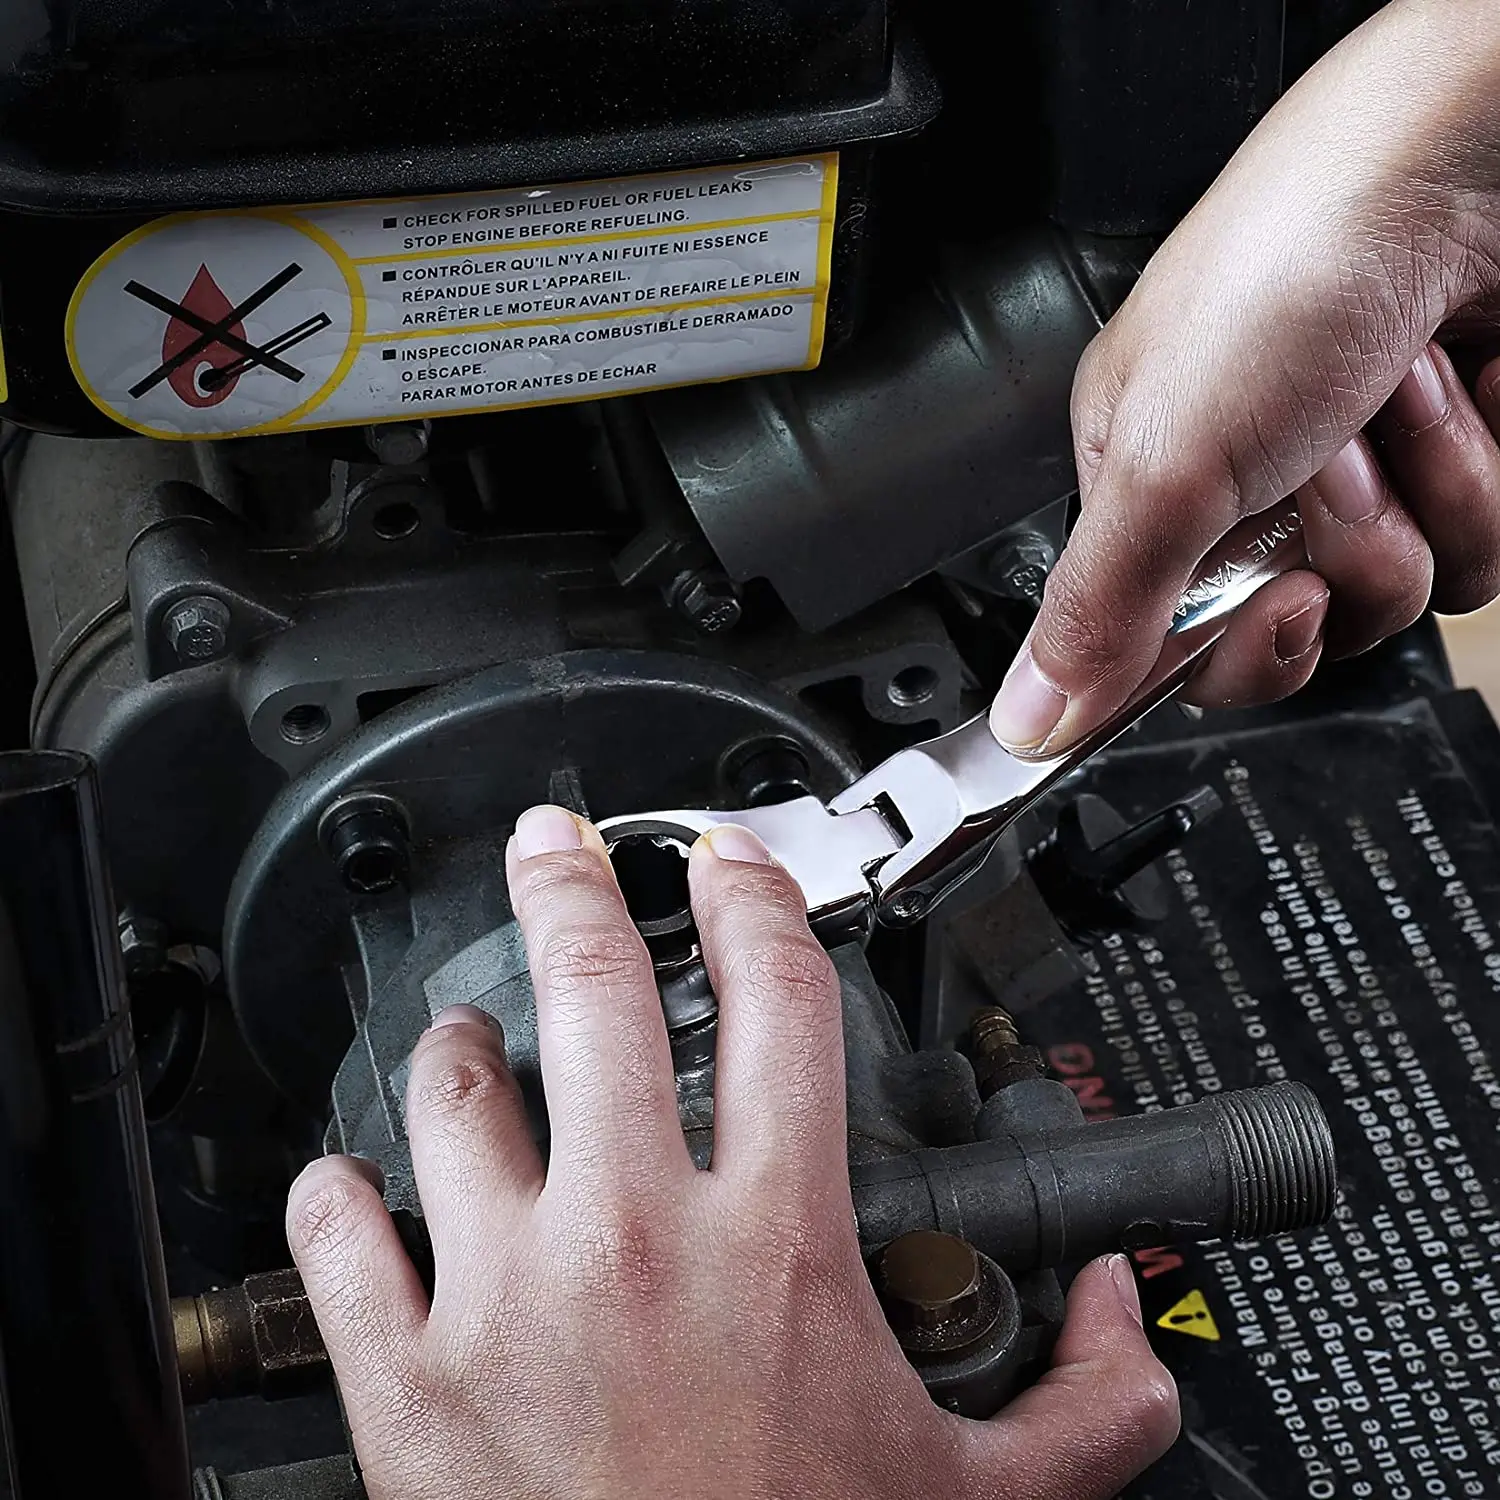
(143, 943)
(399, 444)
(933, 1289)
(257, 1339)
(706, 599)
(1020, 567)
(366, 837)
(909, 907)
(198, 628)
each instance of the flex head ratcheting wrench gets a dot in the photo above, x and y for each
(908, 832)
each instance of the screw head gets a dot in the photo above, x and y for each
(198, 628)
(908, 907)
(708, 601)
(1020, 567)
(398, 444)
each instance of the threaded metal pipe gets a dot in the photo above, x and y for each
(1237, 1166)
(1282, 1175)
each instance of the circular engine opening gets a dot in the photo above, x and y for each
(305, 723)
(396, 520)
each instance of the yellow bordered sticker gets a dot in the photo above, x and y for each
(234, 323)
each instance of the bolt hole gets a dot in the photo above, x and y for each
(371, 870)
(652, 871)
(396, 520)
(912, 686)
(305, 723)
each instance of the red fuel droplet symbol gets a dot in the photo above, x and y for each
(206, 299)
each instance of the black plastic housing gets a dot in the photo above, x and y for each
(113, 112)
(148, 86)
(84, 1323)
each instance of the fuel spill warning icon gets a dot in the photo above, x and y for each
(1190, 1315)
(205, 351)
(217, 325)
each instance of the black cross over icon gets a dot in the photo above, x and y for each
(218, 333)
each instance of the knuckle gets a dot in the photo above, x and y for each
(590, 957)
(793, 968)
(1468, 587)
(761, 892)
(1089, 631)
(1406, 580)
(407, 1404)
(1152, 1407)
(563, 878)
(327, 1210)
(1096, 388)
(453, 1084)
(624, 1257)
(801, 1254)
(1151, 1394)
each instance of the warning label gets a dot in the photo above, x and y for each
(1190, 1315)
(228, 324)
(1344, 932)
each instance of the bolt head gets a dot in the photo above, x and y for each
(1026, 580)
(198, 628)
(398, 444)
(928, 1281)
(143, 944)
(908, 908)
(367, 837)
(1020, 568)
(710, 603)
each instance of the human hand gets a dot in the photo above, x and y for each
(1282, 342)
(618, 1323)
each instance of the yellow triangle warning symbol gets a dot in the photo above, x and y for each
(1190, 1315)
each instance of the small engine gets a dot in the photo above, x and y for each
(418, 411)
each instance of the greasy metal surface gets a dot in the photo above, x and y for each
(927, 1280)
(257, 1338)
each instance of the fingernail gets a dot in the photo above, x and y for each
(459, 1015)
(546, 830)
(1028, 707)
(1350, 486)
(1125, 1288)
(1421, 400)
(730, 841)
(1298, 634)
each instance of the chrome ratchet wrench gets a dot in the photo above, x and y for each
(908, 832)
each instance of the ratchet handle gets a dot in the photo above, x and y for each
(951, 797)
(1261, 548)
